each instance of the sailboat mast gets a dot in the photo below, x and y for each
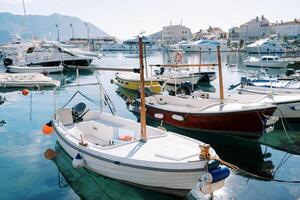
(220, 75)
(142, 93)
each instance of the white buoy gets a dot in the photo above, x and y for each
(78, 161)
(209, 188)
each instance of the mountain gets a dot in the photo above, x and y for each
(156, 36)
(40, 27)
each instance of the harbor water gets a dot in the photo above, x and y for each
(269, 166)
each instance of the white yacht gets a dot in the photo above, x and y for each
(132, 45)
(267, 61)
(268, 45)
(203, 45)
(46, 54)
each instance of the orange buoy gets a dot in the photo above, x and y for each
(50, 154)
(25, 92)
(48, 128)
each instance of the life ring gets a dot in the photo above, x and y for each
(178, 57)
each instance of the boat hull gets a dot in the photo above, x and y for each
(268, 64)
(33, 69)
(135, 85)
(75, 61)
(235, 123)
(163, 181)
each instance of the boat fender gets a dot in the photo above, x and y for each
(216, 175)
(159, 116)
(270, 120)
(213, 164)
(269, 129)
(78, 161)
(36, 87)
(177, 117)
(25, 92)
(209, 188)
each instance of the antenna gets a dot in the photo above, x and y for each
(24, 8)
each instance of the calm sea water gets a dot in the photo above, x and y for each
(26, 174)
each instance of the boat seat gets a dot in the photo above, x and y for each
(97, 133)
(64, 115)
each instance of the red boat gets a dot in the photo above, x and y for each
(249, 120)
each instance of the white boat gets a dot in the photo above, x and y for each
(46, 53)
(35, 69)
(203, 46)
(267, 62)
(166, 162)
(272, 86)
(132, 45)
(182, 76)
(28, 80)
(288, 106)
(268, 45)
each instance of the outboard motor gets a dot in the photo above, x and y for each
(78, 111)
(7, 61)
(187, 87)
(160, 71)
(244, 81)
(289, 72)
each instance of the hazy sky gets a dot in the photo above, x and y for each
(126, 18)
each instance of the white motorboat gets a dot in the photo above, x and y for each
(132, 152)
(288, 106)
(166, 162)
(203, 46)
(268, 45)
(35, 69)
(47, 53)
(132, 45)
(267, 62)
(182, 76)
(272, 86)
(28, 80)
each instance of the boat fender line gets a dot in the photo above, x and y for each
(78, 161)
(237, 169)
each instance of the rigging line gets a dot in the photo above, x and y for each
(283, 160)
(284, 128)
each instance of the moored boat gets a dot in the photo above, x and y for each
(131, 81)
(288, 106)
(210, 115)
(28, 80)
(267, 62)
(34, 69)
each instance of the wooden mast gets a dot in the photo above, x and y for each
(220, 75)
(142, 93)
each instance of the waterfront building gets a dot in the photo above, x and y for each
(289, 29)
(255, 29)
(234, 33)
(175, 33)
